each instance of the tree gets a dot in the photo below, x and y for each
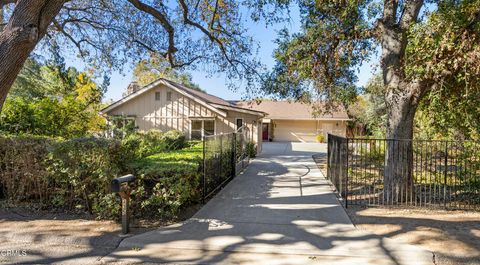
(419, 54)
(48, 99)
(444, 113)
(110, 33)
(369, 109)
(147, 71)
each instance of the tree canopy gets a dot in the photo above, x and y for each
(149, 70)
(49, 99)
(436, 48)
(426, 46)
(207, 34)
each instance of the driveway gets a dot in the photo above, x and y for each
(281, 210)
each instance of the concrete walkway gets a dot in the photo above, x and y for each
(281, 210)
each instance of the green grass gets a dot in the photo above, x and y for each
(186, 160)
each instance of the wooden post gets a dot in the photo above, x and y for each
(125, 195)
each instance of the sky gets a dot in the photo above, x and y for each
(216, 85)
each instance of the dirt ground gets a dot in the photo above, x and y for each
(453, 236)
(19, 220)
(61, 237)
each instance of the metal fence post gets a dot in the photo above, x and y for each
(234, 155)
(445, 176)
(222, 168)
(204, 172)
(346, 180)
(329, 154)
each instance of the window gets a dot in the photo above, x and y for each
(169, 96)
(209, 127)
(239, 123)
(201, 128)
(157, 96)
(196, 131)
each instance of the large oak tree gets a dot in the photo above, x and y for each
(425, 46)
(110, 33)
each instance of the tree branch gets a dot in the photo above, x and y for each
(6, 2)
(187, 21)
(410, 13)
(165, 24)
(474, 21)
(61, 29)
(390, 11)
(213, 15)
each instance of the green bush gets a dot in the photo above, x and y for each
(76, 174)
(251, 149)
(82, 170)
(151, 142)
(167, 181)
(174, 140)
(23, 175)
(145, 143)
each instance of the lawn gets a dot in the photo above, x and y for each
(186, 160)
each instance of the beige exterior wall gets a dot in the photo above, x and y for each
(251, 122)
(162, 114)
(175, 114)
(306, 130)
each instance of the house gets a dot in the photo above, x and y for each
(166, 105)
(295, 121)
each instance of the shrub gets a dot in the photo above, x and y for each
(76, 174)
(145, 143)
(251, 149)
(167, 181)
(82, 170)
(320, 138)
(174, 140)
(23, 175)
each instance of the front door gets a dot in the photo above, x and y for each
(265, 131)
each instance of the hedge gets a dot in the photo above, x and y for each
(76, 174)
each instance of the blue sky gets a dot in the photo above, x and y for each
(216, 85)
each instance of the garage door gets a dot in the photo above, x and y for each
(295, 131)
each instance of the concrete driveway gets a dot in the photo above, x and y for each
(281, 210)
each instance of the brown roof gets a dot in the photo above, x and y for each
(286, 110)
(200, 95)
(207, 99)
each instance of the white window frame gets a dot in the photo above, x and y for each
(202, 131)
(169, 96)
(159, 96)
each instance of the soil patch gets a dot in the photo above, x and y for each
(454, 236)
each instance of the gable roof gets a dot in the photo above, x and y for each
(286, 110)
(214, 103)
(199, 94)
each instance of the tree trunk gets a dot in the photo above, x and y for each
(1, 18)
(398, 174)
(401, 98)
(26, 27)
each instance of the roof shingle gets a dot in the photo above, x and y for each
(286, 110)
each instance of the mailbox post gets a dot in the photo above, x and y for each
(120, 186)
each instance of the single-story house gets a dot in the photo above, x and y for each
(295, 121)
(166, 105)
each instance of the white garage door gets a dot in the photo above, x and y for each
(295, 131)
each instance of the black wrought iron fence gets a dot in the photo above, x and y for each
(421, 173)
(224, 156)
